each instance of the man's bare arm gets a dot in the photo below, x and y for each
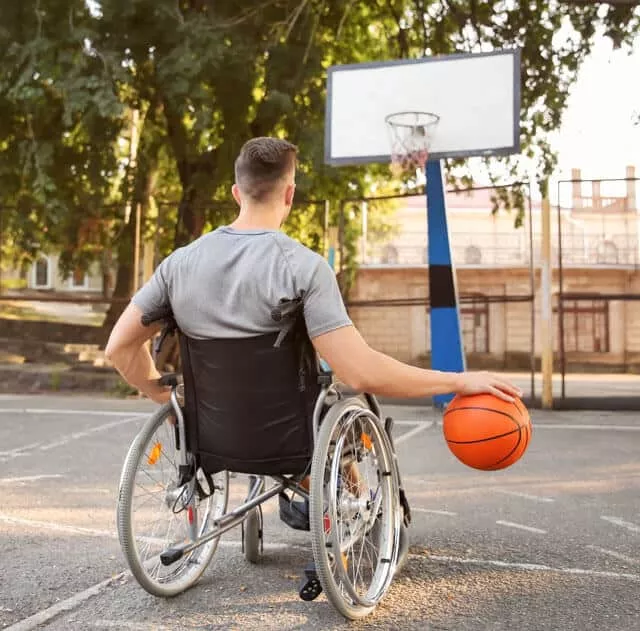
(127, 350)
(364, 369)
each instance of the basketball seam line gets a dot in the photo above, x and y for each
(519, 430)
(483, 440)
(477, 407)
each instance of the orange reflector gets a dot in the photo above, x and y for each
(154, 455)
(344, 560)
(366, 440)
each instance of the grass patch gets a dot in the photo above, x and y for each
(11, 284)
(17, 311)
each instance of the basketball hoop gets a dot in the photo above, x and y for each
(410, 134)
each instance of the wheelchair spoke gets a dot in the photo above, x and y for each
(360, 487)
(155, 514)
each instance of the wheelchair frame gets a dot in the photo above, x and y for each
(261, 491)
(257, 495)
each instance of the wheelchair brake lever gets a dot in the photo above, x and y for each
(167, 330)
(159, 341)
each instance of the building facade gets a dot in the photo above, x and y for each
(596, 238)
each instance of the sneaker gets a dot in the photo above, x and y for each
(294, 513)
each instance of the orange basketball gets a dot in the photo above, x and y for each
(485, 432)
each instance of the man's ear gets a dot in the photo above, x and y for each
(235, 191)
(289, 192)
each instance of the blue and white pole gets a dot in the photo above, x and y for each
(447, 352)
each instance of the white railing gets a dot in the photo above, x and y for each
(507, 250)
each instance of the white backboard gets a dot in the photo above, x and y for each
(477, 97)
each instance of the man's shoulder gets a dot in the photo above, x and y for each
(297, 252)
(194, 246)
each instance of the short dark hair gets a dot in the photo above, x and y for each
(261, 163)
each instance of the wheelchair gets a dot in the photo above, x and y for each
(267, 408)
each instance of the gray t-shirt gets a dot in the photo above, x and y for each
(226, 283)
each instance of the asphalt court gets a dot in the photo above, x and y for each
(552, 542)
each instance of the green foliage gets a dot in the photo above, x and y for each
(205, 76)
(59, 121)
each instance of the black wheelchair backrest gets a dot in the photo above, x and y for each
(249, 401)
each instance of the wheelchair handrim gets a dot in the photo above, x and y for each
(191, 566)
(383, 574)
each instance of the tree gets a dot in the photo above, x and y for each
(59, 120)
(208, 75)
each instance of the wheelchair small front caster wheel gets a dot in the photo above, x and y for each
(252, 535)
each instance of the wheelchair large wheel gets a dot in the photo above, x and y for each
(354, 509)
(154, 512)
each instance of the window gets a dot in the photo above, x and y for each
(586, 326)
(607, 253)
(42, 273)
(78, 279)
(474, 322)
(472, 255)
(390, 255)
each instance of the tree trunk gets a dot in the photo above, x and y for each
(144, 178)
(191, 218)
(124, 279)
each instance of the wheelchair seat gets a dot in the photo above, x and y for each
(248, 405)
(249, 401)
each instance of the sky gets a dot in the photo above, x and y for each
(597, 133)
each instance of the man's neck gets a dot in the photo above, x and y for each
(258, 218)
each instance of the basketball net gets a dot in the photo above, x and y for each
(410, 134)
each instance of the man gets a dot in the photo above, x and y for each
(225, 283)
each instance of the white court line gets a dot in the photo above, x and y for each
(47, 525)
(421, 426)
(74, 412)
(18, 450)
(42, 617)
(433, 511)
(78, 599)
(614, 554)
(30, 478)
(621, 522)
(527, 496)
(134, 626)
(615, 428)
(395, 422)
(532, 567)
(87, 432)
(25, 451)
(511, 524)
(109, 534)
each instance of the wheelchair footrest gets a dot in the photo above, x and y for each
(311, 588)
(171, 556)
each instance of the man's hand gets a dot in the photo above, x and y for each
(481, 382)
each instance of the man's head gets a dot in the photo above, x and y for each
(265, 172)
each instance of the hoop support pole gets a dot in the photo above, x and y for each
(546, 311)
(447, 353)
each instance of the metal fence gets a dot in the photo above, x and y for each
(597, 247)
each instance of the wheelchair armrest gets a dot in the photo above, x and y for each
(170, 379)
(325, 374)
(325, 378)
